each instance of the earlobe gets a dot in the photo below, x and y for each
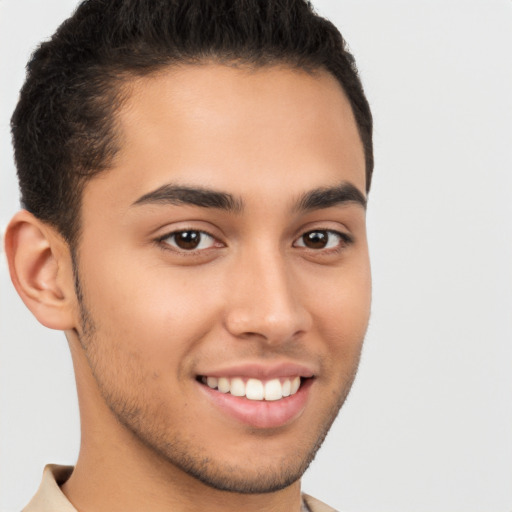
(41, 270)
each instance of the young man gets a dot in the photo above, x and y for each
(194, 177)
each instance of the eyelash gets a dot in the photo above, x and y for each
(167, 246)
(344, 241)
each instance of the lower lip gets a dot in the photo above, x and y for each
(262, 414)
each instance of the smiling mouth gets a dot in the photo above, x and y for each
(254, 389)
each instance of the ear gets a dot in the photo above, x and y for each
(41, 270)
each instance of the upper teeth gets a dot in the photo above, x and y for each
(255, 389)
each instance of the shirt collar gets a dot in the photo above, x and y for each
(49, 497)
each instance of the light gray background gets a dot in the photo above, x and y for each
(428, 425)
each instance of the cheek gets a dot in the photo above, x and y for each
(148, 311)
(343, 314)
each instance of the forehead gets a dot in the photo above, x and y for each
(235, 129)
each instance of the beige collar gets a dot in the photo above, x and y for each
(49, 497)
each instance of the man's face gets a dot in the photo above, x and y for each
(226, 250)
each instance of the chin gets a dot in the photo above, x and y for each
(267, 478)
(243, 470)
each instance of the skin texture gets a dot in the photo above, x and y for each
(151, 317)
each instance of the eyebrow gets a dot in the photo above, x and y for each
(327, 197)
(315, 199)
(196, 196)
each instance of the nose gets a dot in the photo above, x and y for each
(265, 300)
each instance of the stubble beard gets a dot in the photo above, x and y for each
(138, 418)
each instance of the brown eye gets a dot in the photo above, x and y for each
(322, 239)
(316, 239)
(189, 240)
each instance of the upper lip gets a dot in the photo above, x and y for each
(262, 370)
